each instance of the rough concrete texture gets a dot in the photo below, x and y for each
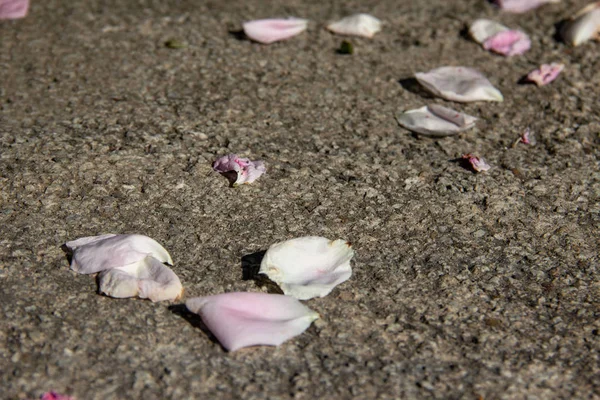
(471, 286)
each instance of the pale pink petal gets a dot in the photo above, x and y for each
(583, 26)
(521, 6)
(545, 74)
(436, 121)
(364, 25)
(13, 9)
(272, 30)
(477, 163)
(98, 253)
(527, 137)
(246, 171)
(508, 43)
(55, 396)
(309, 266)
(147, 279)
(248, 319)
(459, 84)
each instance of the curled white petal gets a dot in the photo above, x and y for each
(248, 319)
(364, 25)
(583, 26)
(308, 267)
(459, 84)
(272, 30)
(246, 171)
(482, 29)
(521, 6)
(98, 253)
(147, 279)
(436, 121)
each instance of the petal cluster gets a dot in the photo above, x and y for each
(583, 26)
(436, 121)
(308, 267)
(246, 171)
(498, 38)
(364, 25)
(267, 31)
(13, 9)
(545, 74)
(248, 319)
(129, 265)
(459, 84)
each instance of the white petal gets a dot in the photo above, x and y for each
(482, 29)
(147, 279)
(309, 266)
(584, 25)
(272, 30)
(364, 25)
(98, 253)
(459, 84)
(436, 121)
(521, 6)
(249, 319)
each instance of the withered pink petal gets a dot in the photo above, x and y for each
(248, 319)
(435, 121)
(246, 171)
(55, 396)
(521, 6)
(477, 163)
(545, 74)
(13, 9)
(272, 30)
(508, 43)
(527, 137)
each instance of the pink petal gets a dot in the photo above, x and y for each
(435, 121)
(98, 253)
(477, 163)
(13, 9)
(248, 319)
(527, 137)
(272, 30)
(545, 74)
(55, 396)
(247, 171)
(521, 6)
(508, 43)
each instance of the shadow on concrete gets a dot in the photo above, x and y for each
(251, 266)
(413, 86)
(193, 319)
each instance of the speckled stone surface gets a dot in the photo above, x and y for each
(470, 286)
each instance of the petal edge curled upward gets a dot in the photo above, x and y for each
(364, 25)
(436, 121)
(460, 84)
(246, 171)
(267, 31)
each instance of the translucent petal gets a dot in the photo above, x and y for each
(272, 30)
(248, 319)
(98, 253)
(584, 26)
(147, 279)
(436, 121)
(459, 84)
(13, 9)
(364, 25)
(521, 6)
(246, 171)
(545, 74)
(309, 266)
(477, 163)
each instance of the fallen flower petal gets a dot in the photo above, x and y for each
(272, 30)
(436, 121)
(477, 163)
(521, 6)
(308, 267)
(13, 9)
(482, 29)
(583, 26)
(248, 319)
(545, 74)
(246, 171)
(98, 253)
(459, 84)
(55, 396)
(147, 279)
(364, 25)
(508, 43)
(527, 137)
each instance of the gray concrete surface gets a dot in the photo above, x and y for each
(465, 286)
